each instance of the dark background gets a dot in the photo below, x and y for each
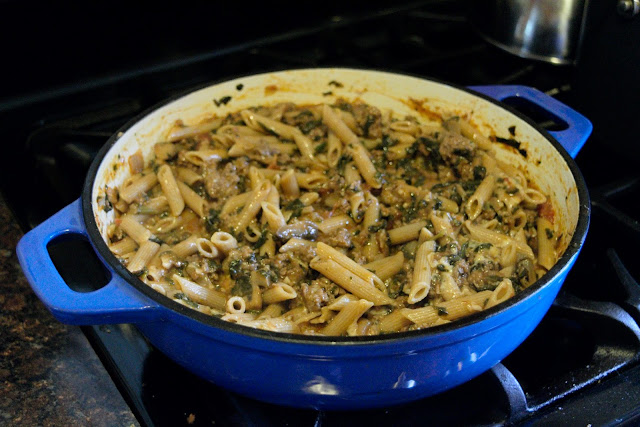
(46, 45)
(59, 47)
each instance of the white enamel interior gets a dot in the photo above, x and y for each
(544, 164)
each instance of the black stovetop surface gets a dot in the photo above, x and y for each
(579, 367)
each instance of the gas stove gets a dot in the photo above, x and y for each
(580, 366)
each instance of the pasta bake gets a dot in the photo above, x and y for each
(331, 219)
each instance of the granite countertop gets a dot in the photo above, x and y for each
(49, 373)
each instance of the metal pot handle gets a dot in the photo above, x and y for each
(116, 302)
(579, 127)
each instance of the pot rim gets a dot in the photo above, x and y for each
(116, 267)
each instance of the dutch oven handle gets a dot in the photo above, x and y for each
(578, 127)
(116, 302)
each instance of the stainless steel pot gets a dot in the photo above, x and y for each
(547, 30)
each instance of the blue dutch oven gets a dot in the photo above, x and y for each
(311, 371)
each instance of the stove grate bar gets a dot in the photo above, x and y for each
(518, 405)
(630, 285)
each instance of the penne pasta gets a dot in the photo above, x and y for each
(273, 325)
(353, 146)
(309, 198)
(399, 151)
(349, 281)
(421, 283)
(405, 126)
(372, 211)
(348, 315)
(352, 176)
(224, 241)
(387, 267)
(154, 206)
(357, 205)
(274, 196)
(186, 247)
(503, 292)
(441, 225)
(135, 230)
(236, 202)
(193, 200)
(181, 132)
(273, 215)
(188, 176)
(278, 293)
(143, 255)
(136, 186)
(310, 181)
(332, 224)
(289, 184)
(255, 177)
(304, 145)
(328, 252)
(338, 219)
(123, 246)
(202, 158)
(200, 294)
(473, 134)
(251, 209)
(446, 205)
(475, 204)
(236, 305)
(170, 189)
(425, 235)
(448, 310)
(534, 197)
(335, 123)
(206, 248)
(334, 149)
(546, 252)
(509, 255)
(363, 161)
(395, 321)
(272, 310)
(406, 232)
